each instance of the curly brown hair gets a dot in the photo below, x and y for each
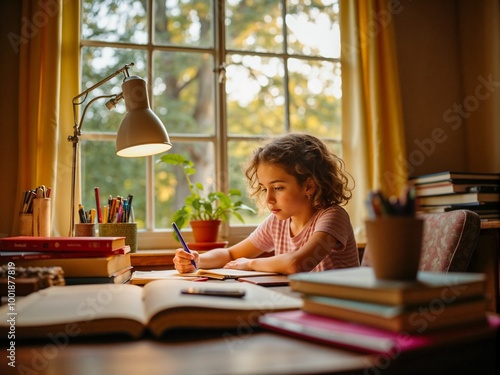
(304, 157)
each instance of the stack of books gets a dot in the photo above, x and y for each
(448, 191)
(351, 308)
(84, 260)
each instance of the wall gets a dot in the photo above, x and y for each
(10, 24)
(447, 49)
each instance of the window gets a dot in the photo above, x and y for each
(221, 76)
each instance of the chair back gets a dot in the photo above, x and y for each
(448, 241)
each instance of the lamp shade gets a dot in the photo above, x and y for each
(141, 132)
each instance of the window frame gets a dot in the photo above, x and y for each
(156, 238)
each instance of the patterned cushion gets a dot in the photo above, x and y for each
(448, 241)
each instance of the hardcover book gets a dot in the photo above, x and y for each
(364, 338)
(20, 256)
(82, 267)
(360, 284)
(119, 277)
(442, 188)
(459, 198)
(438, 313)
(30, 243)
(453, 176)
(127, 309)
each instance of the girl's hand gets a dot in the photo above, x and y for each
(240, 264)
(182, 260)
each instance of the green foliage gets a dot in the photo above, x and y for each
(199, 205)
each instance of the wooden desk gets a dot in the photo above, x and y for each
(486, 259)
(234, 353)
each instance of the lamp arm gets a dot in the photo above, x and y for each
(100, 83)
(78, 125)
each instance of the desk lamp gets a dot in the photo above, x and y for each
(141, 132)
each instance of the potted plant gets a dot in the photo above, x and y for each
(204, 211)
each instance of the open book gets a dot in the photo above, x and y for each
(129, 309)
(226, 273)
(143, 277)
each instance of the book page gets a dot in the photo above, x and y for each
(79, 303)
(162, 295)
(144, 277)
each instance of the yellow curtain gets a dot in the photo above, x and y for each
(372, 121)
(49, 57)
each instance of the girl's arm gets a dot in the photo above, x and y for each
(302, 260)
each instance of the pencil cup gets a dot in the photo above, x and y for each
(394, 245)
(127, 230)
(25, 224)
(41, 217)
(85, 230)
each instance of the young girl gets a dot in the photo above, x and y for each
(304, 185)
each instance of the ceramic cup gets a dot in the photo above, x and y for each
(395, 244)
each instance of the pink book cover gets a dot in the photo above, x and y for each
(369, 339)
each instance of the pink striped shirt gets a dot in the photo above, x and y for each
(273, 234)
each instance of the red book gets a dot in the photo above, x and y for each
(369, 339)
(7, 256)
(28, 243)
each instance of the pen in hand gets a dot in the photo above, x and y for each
(184, 245)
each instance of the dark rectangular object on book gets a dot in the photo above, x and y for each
(28, 243)
(360, 284)
(364, 338)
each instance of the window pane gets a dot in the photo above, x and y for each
(239, 152)
(183, 23)
(255, 97)
(115, 21)
(254, 26)
(183, 92)
(113, 175)
(315, 97)
(97, 64)
(313, 28)
(336, 148)
(170, 184)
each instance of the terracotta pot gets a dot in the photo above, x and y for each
(205, 230)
